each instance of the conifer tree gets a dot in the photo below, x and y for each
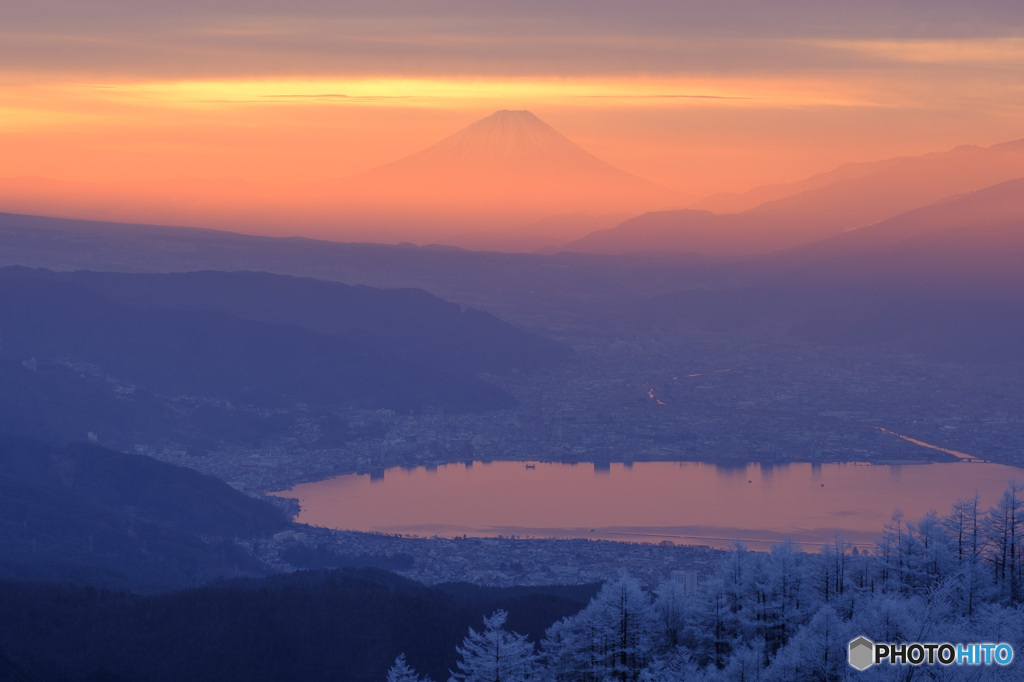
(402, 672)
(613, 638)
(495, 655)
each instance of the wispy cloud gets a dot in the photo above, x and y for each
(335, 96)
(496, 92)
(434, 38)
(971, 52)
(666, 96)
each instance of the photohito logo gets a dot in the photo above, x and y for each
(863, 653)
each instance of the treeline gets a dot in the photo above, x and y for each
(311, 626)
(779, 615)
(785, 615)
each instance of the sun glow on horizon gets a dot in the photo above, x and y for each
(455, 93)
(698, 104)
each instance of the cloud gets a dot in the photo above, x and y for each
(334, 96)
(666, 96)
(573, 38)
(479, 92)
(988, 51)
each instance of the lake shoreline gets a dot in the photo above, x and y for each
(682, 502)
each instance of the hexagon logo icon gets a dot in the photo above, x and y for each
(862, 653)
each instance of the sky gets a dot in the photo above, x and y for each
(698, 96)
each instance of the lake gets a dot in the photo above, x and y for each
(684, 502)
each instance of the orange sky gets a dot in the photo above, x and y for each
(697, 99)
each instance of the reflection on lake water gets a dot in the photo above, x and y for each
(685, 502)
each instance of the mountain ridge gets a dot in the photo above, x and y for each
(509, 168)
(738, 202)
(846, 204)
(505, 135)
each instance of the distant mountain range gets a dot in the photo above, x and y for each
(849, 198)
(943, 279)
(411, 324)
(133, 358)
(923, 227)
(511, 182)
(502, 173)
(974, 240)
(523, 286)
(986, 159)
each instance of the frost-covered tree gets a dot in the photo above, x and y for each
(823, 570)
(625, 618)
(1005, 524)
(964, 530)
(817, 652)
(613, 638)
(495, 655)
(402, 672)
(785, 595)
(670, 605)
(710, 636)
(891, 550)
(963, 527)
(571, 651)
(731, 605)
(747, 662)
(928, 555)
(787, 615)
(675, 665)
(888, 617)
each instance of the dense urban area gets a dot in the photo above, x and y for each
(694, 397)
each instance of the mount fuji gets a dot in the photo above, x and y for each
(507, 182)
(508, 169)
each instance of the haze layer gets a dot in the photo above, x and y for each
(205, 107)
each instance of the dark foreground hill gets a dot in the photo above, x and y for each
(86, 514)
(338, 625)
(523, 286)
(151, 358)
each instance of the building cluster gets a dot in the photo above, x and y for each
(489, 561)
(698, 398)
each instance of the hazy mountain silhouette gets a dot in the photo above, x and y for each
(972, 240)
(446, 335)
(999, 158)
(523, 286)
(546, 235)
(508, 160)
(87, 514)
(155, 358)
(505, 170)
(848, 203)
(738, 202)
(1001, 204)
(212, 202)
(944, 280)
